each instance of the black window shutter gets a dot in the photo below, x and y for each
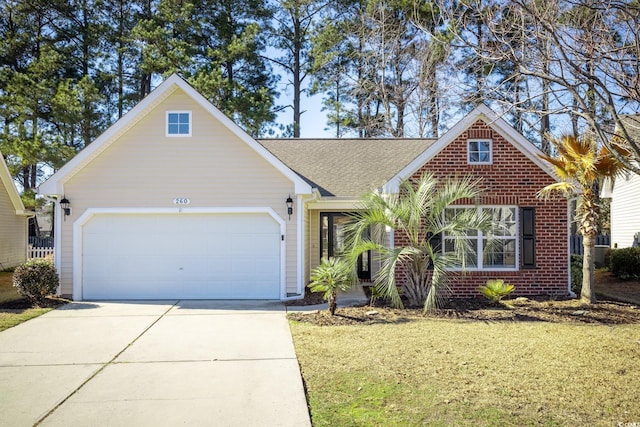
(528, 226)
(436, 244)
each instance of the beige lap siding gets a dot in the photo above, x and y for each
(146, 169)
(512, 179)
(13, 233)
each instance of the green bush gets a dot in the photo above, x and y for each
(496, 289)
(625, 263)
(576, 274)
(331, 276)
(35, 280)
(607, 258)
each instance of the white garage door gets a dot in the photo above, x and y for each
(165, 256)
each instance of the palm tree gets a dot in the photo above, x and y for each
(416, 214)
(582, 168)
(332, 275)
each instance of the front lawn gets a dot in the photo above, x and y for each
(425, 371)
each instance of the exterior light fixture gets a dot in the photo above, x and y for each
(66, 206)
(289, 206)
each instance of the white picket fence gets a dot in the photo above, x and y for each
(33, 252)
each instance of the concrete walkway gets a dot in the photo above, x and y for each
(353, 297)
(164, 363)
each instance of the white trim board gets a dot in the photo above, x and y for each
(7, 181)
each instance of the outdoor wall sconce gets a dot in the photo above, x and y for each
(66, 206)
(289, 206)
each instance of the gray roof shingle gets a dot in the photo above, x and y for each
(346, 167)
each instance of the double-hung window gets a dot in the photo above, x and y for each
(492, 249)
(178, 123)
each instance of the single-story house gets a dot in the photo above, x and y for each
(13, 221)
(176, 201)
(625, 198)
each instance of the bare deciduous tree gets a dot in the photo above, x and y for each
(578, 58)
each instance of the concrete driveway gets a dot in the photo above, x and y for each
(153, 363)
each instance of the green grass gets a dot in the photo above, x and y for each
(13, 317)
(442, 373)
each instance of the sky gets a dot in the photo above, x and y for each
(312, 122)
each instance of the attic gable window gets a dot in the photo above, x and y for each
(479, 152)
(178, 123)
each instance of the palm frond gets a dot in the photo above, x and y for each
(565, 188)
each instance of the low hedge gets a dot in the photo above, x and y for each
(36, 280)
(625, 263)
(576, 274)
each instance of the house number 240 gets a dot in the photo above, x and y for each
(181, 201)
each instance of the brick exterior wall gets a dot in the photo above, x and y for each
(512, 179)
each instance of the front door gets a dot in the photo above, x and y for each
(332, 241)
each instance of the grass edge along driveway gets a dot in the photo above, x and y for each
(450, 372)
(13, 317)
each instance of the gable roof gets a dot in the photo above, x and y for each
(484, 113)
(7, 182)
(55, 183)
(346, 167)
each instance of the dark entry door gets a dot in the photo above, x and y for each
(332, 241)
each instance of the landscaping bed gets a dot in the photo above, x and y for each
(618, 303)
(519, 309)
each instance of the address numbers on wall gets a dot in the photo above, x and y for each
(181, 201)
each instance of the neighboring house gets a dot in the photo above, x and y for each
(176, 201)
(13, 222)
(625, 198)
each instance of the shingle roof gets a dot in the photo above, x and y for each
(346, 167)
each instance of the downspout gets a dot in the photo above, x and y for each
(302, 202)
(57, 237)
(571, 293)
(28, 215)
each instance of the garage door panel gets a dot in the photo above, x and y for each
(264, 268)
(147, 256)
(257, 242)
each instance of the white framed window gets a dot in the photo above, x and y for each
(479, 151)
(494, 249)
(178, 123)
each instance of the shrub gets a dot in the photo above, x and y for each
(576, 274)
(625, 263)
(607, 258)
(331, 276)
(35, 280)
(496, 289)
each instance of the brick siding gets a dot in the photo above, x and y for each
(511, 179)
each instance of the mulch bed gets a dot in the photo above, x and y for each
(24, 304)
(606, 312)
(611, 287)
